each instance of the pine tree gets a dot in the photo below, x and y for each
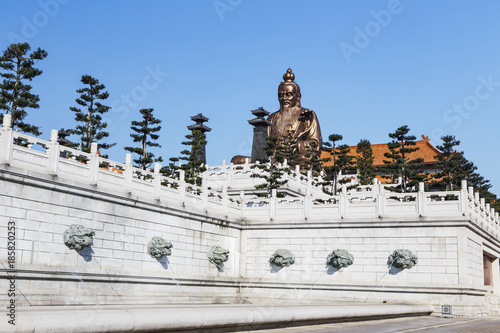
(92, 126)
(271, 172)
(340, 161)
(364, 162)
(453, 165)
(145, 134)
(399, 163)
(286, 149)
(313, 157)
(15, 94)
(345, 163)
(195, 165)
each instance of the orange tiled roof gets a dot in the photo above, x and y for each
(425, 151)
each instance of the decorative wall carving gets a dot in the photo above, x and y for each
(340, 258)
(282, 258)
(77, 237)
(158, 247)
(218, 255)
(402, 258)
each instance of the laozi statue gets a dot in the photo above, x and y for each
(293, 118)
(77, 237)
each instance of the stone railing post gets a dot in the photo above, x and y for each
(309, 181)
(94, 163)
(242, 205)
(343, 202)
(204, 190)
(246, 166)
(375, 190)
(128, 173)
(421, 202)
(157, 180)
(230, 175)
(464, 202)
(182, 186)
(272, 204)
(297, 173)
(307, 206)
(53, 153)
(224, 200)
(6, 140)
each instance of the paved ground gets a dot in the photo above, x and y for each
(402, 325)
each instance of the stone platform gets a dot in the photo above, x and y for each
(216, 317)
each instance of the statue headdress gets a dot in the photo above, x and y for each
(288, 78)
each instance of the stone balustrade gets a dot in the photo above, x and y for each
(228, 191)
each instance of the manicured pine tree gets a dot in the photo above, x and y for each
(399, 163)
(15, 94)
(272, 174)
(483, 186)
(285, 149)
(92, 127)
(454, 167)
(340, 161)
(195, 165)
(145, 134)
(345, 163)
(313, 157)
(364, 162)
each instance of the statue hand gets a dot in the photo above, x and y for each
(306, 114)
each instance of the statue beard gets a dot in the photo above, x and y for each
(287, 119)
(290, 109)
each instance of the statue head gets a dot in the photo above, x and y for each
(289, 91)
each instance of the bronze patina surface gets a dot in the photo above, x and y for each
(292, 117)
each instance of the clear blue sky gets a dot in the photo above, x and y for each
(365, 67)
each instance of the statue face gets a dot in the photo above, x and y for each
(287, 95)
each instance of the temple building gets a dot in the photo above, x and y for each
(425, 150)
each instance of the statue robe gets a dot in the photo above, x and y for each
(306, 129)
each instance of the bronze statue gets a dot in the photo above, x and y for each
(292, 117)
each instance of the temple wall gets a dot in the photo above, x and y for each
(442, 275)
(42, 194)
(51, 273)
(118, 270)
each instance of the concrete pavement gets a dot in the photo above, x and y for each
(194, 317)
(402, 325)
